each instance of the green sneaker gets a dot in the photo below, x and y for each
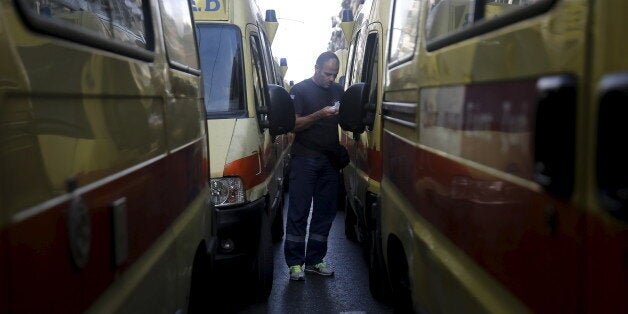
(296, 273)
(320, 268)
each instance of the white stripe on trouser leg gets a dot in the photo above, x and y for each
(318, 237)
(293, 238)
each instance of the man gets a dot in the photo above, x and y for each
(313, 179)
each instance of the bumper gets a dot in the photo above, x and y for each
(239, 226)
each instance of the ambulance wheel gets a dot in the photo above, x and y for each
(399, 278)
(263, 267)
(350, 222)
(199, 283)
(278, 225)
(379, 284)
(341, 203)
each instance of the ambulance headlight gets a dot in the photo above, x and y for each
(227, 191)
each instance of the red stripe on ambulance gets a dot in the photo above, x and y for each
(40, 263)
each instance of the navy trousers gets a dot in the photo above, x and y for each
(311, 179)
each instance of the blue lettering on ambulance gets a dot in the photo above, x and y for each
(209, 3)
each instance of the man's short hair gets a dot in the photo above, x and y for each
(324, 57)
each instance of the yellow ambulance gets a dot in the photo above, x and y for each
(104, 187)
(367, 34)
(504, 174)
(342, 55)
(248, 141)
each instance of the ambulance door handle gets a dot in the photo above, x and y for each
(120, 231)
(555, 134)
(612, 170)
(259, 162)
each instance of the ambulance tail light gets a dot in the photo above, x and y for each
(227, 191)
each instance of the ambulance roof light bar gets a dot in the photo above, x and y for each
(271, 24)
(347, 25)
(283, 64)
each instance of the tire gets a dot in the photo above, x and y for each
(263, 267)
(400, 282)
(379, 285)
(350, 222)
(341, 204)
(199, 283)
(277, 230)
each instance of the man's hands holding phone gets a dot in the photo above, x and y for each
(303, 123)
(328, 112)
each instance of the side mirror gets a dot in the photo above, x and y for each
(281, 116)
(351, 114)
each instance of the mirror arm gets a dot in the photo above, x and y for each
(264, 124)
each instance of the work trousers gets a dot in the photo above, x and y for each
(311, 179)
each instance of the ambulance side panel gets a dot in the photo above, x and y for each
(468, 215)
(103, 156)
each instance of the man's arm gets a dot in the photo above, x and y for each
(305, 122)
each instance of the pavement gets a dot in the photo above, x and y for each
(345, 292)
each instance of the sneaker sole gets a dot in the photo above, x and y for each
(318, 273)
(298, 278)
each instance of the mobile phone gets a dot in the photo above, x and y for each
(336, 105)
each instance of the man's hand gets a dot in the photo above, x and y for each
(328, 112)
(303, 123)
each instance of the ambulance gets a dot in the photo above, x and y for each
(283, 68)
(342, 55)
(248, 141)
(105, 203)
(503, 171)
(367, 34)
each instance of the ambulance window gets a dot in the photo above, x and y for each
(259, 84)
(351, 61)
(220, 50)
(405, 26)
(129, 25)
(358, 60)
(113, 25)
(370, 73)
(497, 8)
(451, 21)
(447, 16)
(91, 16)
(178, 34)
(268, 58)
(367, 65)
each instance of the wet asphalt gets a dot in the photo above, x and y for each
(345, 292)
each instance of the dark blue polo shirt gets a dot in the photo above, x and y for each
(309, 98)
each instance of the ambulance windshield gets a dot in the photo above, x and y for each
(220, 52)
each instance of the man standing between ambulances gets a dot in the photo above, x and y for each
(313, 180)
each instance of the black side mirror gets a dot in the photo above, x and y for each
(351, 114)
(281, 116)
